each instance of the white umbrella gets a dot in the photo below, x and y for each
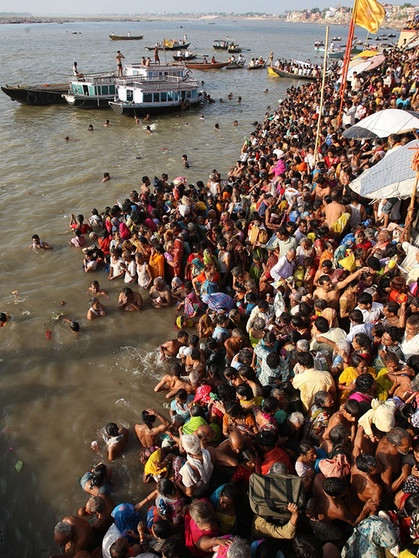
(383, 123)
(392, 177)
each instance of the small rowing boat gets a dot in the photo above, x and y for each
(290, 75)
(206, 65)
(128, 37)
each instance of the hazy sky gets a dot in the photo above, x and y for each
(51, 7)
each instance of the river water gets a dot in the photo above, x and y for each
(57, 390)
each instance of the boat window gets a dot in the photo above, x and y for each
(105, 90)
(163, 97)
(112, 90)
(170, 96)
(156, 97)
(148, 97)
(85, 89)
(175, 95)
(130, 95)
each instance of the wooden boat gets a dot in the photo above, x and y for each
(170, 93)
(336, 39)
(125, 37)
(234, 48)
(184, 57)
(290, 75)
(206, 65)
(222, 45)
(169, 45)
(236, 65)
(45, 94)
(257, 65)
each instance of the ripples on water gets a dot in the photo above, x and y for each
(58, 390)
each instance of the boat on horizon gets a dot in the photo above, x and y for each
(37, 95)
(128, 37)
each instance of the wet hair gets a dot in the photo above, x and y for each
(112, 429)
(98, 475)
(75, 326)
(334, 486)
(63, 529)
(366, 463)
(148, 419)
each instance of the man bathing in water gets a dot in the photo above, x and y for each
(130, 301)
(173, 382)
(96, 310)
(171, 348)
(147, 433)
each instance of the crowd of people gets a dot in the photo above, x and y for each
(297, 354)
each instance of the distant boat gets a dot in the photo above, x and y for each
(206, 65)
(256, 64)
(222, 45)
(234, 48)
(236, 64)
(125, 37)
(45, 94)
(392, 35)
(186, 55)
(290, 75)
(169, 45)
(336, 39)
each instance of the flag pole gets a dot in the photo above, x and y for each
(319, 120)
(346, 60)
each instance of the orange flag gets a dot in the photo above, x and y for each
(369, 14)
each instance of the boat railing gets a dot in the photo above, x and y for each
(157, 85)
(97, 78)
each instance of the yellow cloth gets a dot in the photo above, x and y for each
(310, 382)
(261, 527)
(383, 384)
(152, 467)
(369, 14)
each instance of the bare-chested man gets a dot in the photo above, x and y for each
(365, 484)
(171, 348)
(147, 433)
(173, 382)
(331, 293)
(98, 511)
(390, 450)
(73, 533)
(330, 502)
(130, 301)
(333, 209)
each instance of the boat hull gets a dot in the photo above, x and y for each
(235, 66)
(88, 102)
(126, 37)
(290, 75)
(206, 66)
(37, 95)
(142, 109)
(182, 46)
